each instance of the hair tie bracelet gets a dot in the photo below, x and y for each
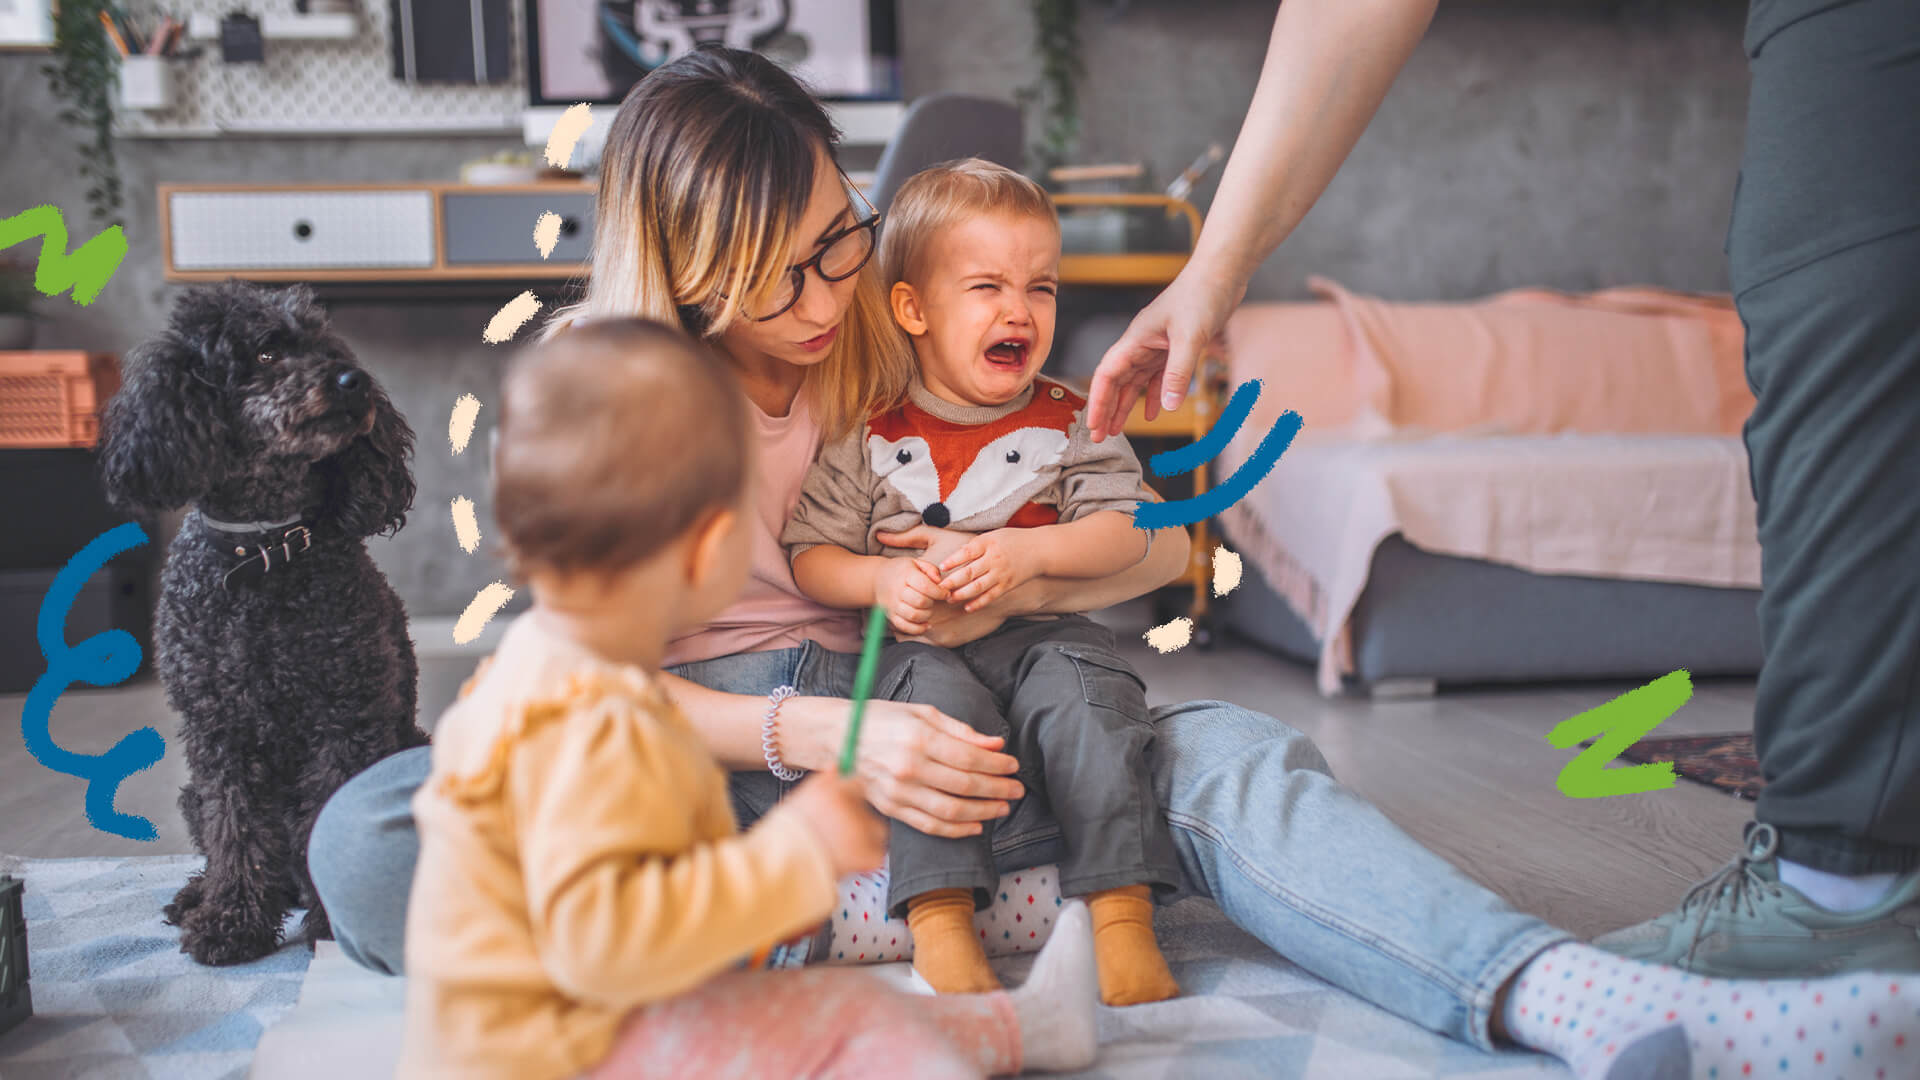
(774, 764)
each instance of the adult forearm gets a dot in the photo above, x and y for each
(1329, 64)
(728, 723)
(1166, 559)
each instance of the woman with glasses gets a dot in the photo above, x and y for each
(721, 209)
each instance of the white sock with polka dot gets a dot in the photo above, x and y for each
(1020, 919)
(1618, 1019)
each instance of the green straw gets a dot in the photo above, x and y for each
(863, 685)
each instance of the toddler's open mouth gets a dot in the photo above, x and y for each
(1009, 355)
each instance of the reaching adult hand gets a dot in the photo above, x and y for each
(936, 543)
(916, 764)
(1161, 350)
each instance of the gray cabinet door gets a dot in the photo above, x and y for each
(496, 228)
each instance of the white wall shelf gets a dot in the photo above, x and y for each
(203, 26)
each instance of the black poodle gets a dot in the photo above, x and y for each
(280, 644)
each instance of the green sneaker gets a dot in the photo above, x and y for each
(1743, 923)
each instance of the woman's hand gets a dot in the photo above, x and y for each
(916, 764)
(934, 544)
(1162, 349)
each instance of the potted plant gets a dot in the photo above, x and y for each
(1057, 44)
(83, 75)
(16, 304)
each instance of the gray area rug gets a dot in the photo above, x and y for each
(114, 998)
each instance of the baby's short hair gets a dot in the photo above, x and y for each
(943, 194)
(615, 438)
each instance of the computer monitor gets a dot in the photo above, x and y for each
(593, 51)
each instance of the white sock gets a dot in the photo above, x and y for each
(1618, 1019)
(1836, 892)
(1055, 1005)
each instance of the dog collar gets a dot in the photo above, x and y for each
(274, 544)
(249, 528)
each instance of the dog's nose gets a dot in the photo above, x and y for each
(352, 380)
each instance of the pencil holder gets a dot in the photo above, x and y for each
(146, 82)
(16, 999)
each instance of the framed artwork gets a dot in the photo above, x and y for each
(26, 25)
(595, 50)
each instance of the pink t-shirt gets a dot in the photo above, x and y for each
(771, 612)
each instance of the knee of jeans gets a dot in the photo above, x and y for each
(1205, 734)
(362, 869)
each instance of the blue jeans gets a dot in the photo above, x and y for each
(1259, 825)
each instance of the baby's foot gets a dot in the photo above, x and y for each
(1055, 1004)
(1619, 1019)
(1132, 969)
(945, 951)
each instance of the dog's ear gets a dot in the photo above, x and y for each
(369, 484)
(162, 430)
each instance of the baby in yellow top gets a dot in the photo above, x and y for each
(584, 904)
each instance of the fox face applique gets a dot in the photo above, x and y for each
(953, 474)
(955, 467)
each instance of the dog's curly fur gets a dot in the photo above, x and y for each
(251, 409)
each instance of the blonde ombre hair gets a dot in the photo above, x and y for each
(708, 169)
(942, 195)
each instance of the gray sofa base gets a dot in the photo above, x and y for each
(1427, 620)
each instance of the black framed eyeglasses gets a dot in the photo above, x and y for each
(841, 255)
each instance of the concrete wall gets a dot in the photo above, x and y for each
(1571, 144)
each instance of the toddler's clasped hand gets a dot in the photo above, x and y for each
(908, 588)
(835, 809)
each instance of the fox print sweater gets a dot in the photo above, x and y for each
(1029, 462)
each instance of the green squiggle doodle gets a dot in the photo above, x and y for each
(86, 270)
(1619, 724)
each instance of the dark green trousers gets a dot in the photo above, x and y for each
(1824, 260)
(1075, 714)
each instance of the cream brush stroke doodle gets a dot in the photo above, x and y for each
(1176, 635)
(505, 323)
(510, 318)
(1170, 637)
(1226, 571)
(566, 132)
(480, 610)
(460, 423)
(466, 525)
(546, 233)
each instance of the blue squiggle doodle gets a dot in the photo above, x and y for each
(1162, 515)
(105, 659)
(1185, 459)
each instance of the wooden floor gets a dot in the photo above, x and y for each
(1468, 773)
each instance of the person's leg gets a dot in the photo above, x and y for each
(1321, 876)
(938, 882)
(1080, 712)
(821, 1022)
(361, 855)
(838, 1023)
(1324, 879)
(1833, 355)
(1824, 256)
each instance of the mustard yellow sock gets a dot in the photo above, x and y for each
(946, 951)
(1132, 971)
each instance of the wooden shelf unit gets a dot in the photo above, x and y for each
(1142, 269)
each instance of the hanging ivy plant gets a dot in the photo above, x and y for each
(1057, 42)
(84, 74)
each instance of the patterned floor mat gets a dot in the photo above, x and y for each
(113, 996)
(1726, 762)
